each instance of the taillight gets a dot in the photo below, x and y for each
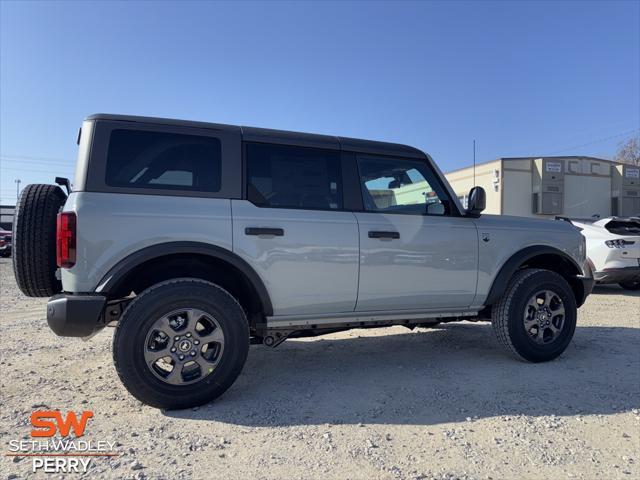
(66, 240)
(618, 243)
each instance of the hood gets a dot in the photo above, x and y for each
(526, 223)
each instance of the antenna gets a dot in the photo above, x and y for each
(474, 162)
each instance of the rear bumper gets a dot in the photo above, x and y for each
(75, 315)
(616, 275)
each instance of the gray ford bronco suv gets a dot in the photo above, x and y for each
(196, 240)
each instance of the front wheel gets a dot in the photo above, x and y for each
(535, 319)
(181, 343)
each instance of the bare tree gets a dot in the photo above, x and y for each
(629, 151)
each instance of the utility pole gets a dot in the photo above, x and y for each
(18, 182)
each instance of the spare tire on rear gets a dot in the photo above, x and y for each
(34, 240)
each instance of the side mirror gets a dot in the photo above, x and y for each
(477, 201)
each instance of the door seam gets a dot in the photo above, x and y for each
(475, 295)
(355, 305)
(233, 245)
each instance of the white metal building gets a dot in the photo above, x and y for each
(548, 186)
(6, 216)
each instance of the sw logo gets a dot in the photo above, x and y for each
(56, 445)
(47, 422)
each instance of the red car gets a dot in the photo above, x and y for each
(5, 242)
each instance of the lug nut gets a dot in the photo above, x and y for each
(197, 342)
(177, 338)
(181, 357)
(188, 334)
(193, 354)
(173, 350)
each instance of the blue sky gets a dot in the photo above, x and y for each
(522, 78)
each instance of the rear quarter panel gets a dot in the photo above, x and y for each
(507, 235)
(604, 257)
(112, 226)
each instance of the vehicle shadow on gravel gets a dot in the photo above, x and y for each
(614, 289)
(446, 374)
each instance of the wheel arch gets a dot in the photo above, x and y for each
(539, 256)
(160, 262)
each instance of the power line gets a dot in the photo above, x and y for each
(33, 157)
(597, 141)
(39, 170)
(30, 162)
(589, 132)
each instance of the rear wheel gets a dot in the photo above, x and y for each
(535, 319)
(631, 285)
(34, 240)
(181, 343)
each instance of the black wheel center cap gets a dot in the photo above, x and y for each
(184, 345)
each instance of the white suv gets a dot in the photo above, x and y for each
(613, 249)
(197, 239)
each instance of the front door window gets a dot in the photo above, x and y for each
(401, 186)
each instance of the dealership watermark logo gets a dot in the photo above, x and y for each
(56, 444)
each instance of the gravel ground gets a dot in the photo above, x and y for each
(442, 403)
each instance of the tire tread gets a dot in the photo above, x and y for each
(34, 240)
(126, 370)
(507, 315)
(500, 310)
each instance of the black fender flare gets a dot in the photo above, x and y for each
(111, 280)
(501, 281)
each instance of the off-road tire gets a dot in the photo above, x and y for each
(153, 303)
(34, 240)
(630, 285)
(508, 315)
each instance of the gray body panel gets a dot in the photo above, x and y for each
(507, 235)
(433, 264)
(312, 268)
(316, 268)
(112, 226)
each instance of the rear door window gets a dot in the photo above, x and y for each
(293, 177)
(167, 161)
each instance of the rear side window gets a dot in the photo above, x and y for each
(293, 177)
(167, 161)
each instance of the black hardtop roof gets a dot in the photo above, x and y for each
(266, 135)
